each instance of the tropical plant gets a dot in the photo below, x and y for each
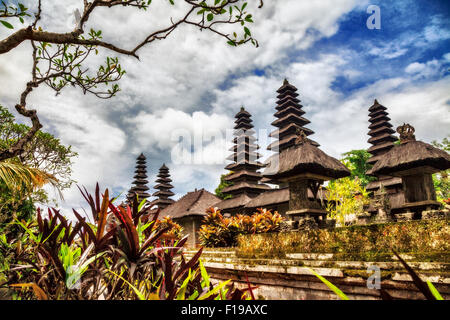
(17, 183)
(116, 254)
(44, 152)
(346, 198)
(356, 162)
(219, 231)
(441, 180)
(223, 184)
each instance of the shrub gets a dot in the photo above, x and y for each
(423, 238)
(218, 231)
(120, 254)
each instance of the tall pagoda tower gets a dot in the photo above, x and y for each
(289, 121)
(244, 174)
(382, 140)
(164, 188)
(140, 180)
(289, 117)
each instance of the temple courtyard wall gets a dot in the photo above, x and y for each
(349, 257)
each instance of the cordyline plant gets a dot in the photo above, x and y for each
(59, 58)
(218, 231)
(122, 252)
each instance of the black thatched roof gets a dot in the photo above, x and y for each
(410, 155)
(235, 202)
(304, 158)
(192, 203)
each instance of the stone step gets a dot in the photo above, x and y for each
(325, 272)
(391, 265)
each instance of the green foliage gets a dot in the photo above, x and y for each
(346, 197)
(223, 184)
(218, 231)
(43, 152)
(356, 162)
(122, 254)
(18, 11)
(441, 180)
(422, 238)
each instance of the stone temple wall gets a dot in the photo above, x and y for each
(290, 279)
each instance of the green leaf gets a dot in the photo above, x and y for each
(214, 291)
(434, 291)
(247, 31)
(205, 275)
(330, 285)
(210, 16)
(6, 24)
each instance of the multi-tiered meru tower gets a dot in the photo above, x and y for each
(244, 174)
(140, 180)
(382, 140)
(164, 188)
(289, 117)
(289, 121)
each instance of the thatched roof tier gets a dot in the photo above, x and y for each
(408, 158)
(381, 146)
(288, 110)
(139, 185)
(285, 143)
(289, 130)
(375, 185)
(164, 185)
(243, 186)
(277, 196)
(244, 166)
(243, 126)
(243, 138)
(380, 117)
(291, 93)
(382, 137)
(244, 146)
(243, 114)
(163, 188)
(245, 119)
(235, 202)
(244, 155)
(192, 203)
(286, 87)
(286, 101)
(290, 118)
(381, 110)
(243, 173)
(306, 159)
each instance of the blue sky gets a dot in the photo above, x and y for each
(193, 84)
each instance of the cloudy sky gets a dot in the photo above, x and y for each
(178, 101)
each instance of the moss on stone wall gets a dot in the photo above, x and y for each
(424, 240)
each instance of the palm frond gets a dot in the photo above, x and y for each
(18, 177)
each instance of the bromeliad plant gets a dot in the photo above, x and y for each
(121, 252)
(218, 231)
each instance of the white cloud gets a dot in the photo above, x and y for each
(178, 87)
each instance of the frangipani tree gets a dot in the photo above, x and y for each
(59, 59)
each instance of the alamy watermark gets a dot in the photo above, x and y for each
(374, 20)
(374, 280)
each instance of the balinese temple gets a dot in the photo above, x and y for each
(189, 212)
(164, 188)
(140, 180)
(244, 168)
(413, 162)
(289, 116)
(382, 140)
